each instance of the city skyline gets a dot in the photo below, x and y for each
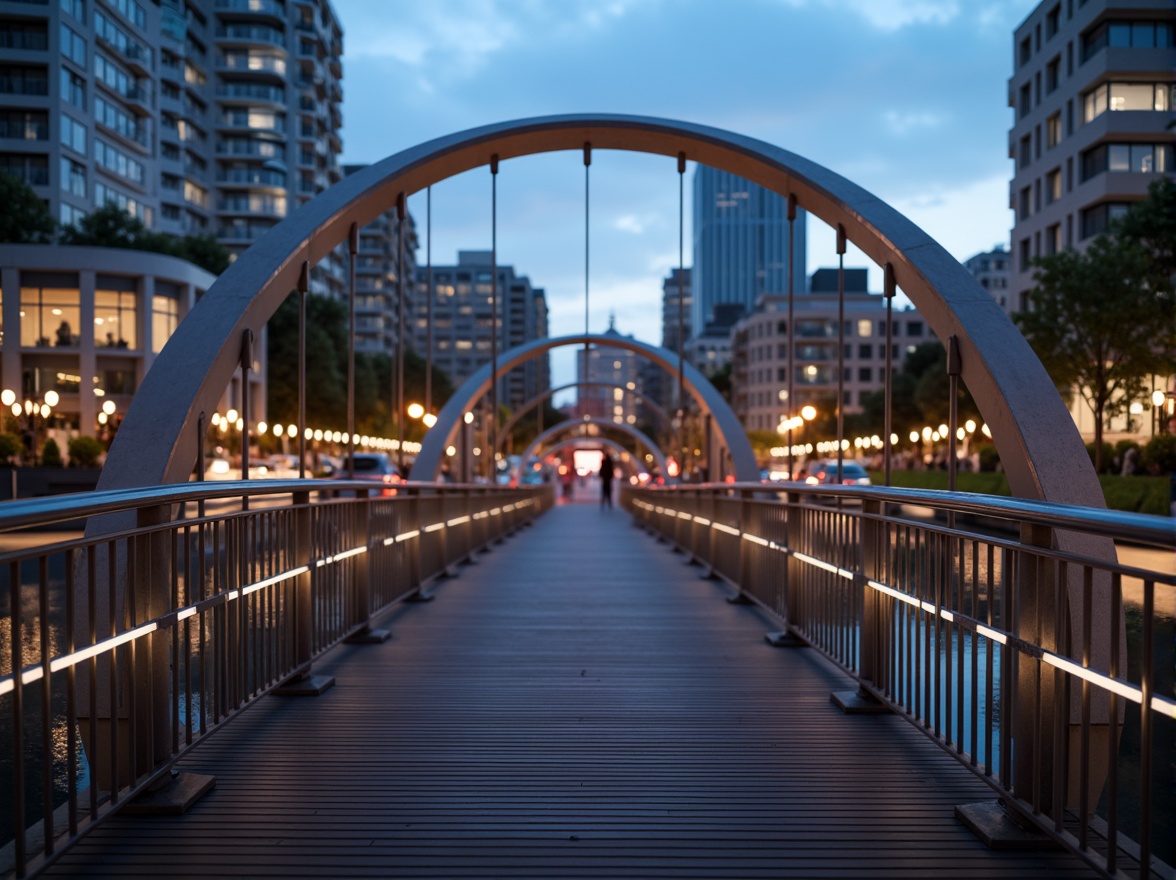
(909, 100)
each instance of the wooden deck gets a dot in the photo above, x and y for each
(578, 704)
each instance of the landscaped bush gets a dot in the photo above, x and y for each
(84, 452)
(51, 454)
(1108, 457)
(1159, 455)
(10, 445)
(989, 457)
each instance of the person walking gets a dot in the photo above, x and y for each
(606, 478)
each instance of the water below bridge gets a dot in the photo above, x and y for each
(580, 702)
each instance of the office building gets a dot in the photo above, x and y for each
(1092, 94)
(710, 350)
(463, 324)
(740, 244)
(759, 352)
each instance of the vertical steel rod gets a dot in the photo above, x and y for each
(587, 165)
(793, 410)
(492, 436)
(888, 291)
(246, 365)
(840, 346)
(681, 396)
(303, 286)
(353, 249)
(953, 408)
(401, 214)
(429, 299)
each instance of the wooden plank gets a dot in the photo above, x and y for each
(579, 704)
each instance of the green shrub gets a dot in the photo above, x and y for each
(1108, 456)
(51, 454)
(10, 445)
(1159, 455)
(84, 452)
(989, 457)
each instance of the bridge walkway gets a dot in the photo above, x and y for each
(579, 703)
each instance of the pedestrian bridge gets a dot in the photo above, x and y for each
(590, 693)
(941, 671)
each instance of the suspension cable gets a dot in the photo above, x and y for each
(493, 436)
(587, 165)
(681, 398)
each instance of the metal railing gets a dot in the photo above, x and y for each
(123, 648)
(1008, 631)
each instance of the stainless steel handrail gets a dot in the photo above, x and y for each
(128, 645)
(1038, 663)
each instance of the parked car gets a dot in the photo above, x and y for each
(376, 466)
(851, 474)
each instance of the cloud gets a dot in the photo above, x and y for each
(904, 123)
(892, 15)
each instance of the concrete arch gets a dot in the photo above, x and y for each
(572, 424)
(539, 398)
(444, 432)
(1040, 447)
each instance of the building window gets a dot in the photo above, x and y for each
(50, 310)
(24, 125)
(1025, 203)
(1095, 220)
(68, 215)
(19, 79)
(73, 134)
(1053, 74)
(115, 313)
(865, 328)
(76, 8)
(1025, 157)
(1127, 35)
(73, 177)
(865, 352)
(73, 46)
(1126, 96)
(1053, 238)
(1129, 158)
(865, 374)
(1025, 104)
(914, 328)
(1053, 130)
(27, 36)
(1051, 21)
(1024, 255)
(73, 89)
(1053, 186)
(1025, 52)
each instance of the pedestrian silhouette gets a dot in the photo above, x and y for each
(606, 478)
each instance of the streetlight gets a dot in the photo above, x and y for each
(30, 409)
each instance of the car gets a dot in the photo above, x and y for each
(375, 466)
(850, 474)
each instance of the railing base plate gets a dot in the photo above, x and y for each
(173, 798)
(368, 637)
(784, 640)
(418, 596)
(857, 703)
(989, 821)
(306, 686)
(737, 599)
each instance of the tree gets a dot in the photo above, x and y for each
(111, 226)
(1102, 320)
(10, 445)
(84, 451)
(51, 454)
(326, 364)
(25, 219)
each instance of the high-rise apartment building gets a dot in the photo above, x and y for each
(196, 116)
(377, 273)
(463, 322)
(991, 269)
(1092, 92)
(740, 244)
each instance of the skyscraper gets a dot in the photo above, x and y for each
(1092, 93)
(740, 244)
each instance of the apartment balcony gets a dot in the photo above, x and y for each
(250, 35)
(252, 93)
(268, 66)
(251, 8)
(138, 58)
